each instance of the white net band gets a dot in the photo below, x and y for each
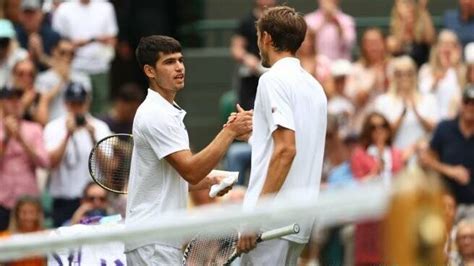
(331, 207)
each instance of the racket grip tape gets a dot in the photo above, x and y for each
(279, 232)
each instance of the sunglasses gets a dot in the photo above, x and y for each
(66, 52)
(4, 42)
(93, 198)
(24, 73)
(378, 126)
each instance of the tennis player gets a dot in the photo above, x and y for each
(289, 127)
(162, 164)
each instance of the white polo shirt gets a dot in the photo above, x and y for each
(70, 178)
(77, 21)
(155, 187)
(289, 97)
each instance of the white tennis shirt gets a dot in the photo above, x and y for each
(289, 97)
(155, 187)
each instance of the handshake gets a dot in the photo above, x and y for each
(240, 123)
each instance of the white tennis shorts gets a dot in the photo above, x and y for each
(154, 254)
(273, 253)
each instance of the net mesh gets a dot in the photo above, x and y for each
(329, 208)
(109, 162)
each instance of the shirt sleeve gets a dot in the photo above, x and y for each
(40, 149)
(348, 32)
(276, 100)
(167, 135)
(436, 143)
(59, 23)
(53, 135)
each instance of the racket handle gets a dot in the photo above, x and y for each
(279, 232)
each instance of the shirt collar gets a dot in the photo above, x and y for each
(286, 62)
(173, 108)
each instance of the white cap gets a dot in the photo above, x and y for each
(469, 53)
(341, 67)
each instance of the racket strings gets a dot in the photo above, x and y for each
(111, 162)
(210, 251)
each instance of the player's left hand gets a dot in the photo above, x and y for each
(247, 242)
(216, 180)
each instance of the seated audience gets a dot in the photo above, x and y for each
(27, 217)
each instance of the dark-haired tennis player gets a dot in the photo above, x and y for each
(289, 128)
(162, 164)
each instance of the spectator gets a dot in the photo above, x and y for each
(376, 158)
(451, 150)
(412, 115)
(316, 64)
(53, 82)
(27, 217)
(10, 53)
(92, 27)
(412, 29)
(21, 152)
(334, 29)
(339, 105)
(34, 35)
(368, 77)
(461, 21)
(120, 117)
(443, 75)
(464, 243)
(23, 76)
(69, 140)
(245, 51)
(469, 59)
(94, 203)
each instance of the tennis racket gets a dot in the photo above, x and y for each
(222, 250)
(109, 162)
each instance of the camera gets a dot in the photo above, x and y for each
(80, 120)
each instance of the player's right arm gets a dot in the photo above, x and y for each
(195, 167)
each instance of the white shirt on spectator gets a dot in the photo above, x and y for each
(78, 21)
(289, 97)
(447, 91)
(72, 175)
(47, 80)
(411, 130)
(155, 187)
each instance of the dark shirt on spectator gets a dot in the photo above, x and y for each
(464, 29)
(48, 36)
(454, 148)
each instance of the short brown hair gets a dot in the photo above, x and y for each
(286, 26)
(149, 48)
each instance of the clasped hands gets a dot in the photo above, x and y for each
(240, 123)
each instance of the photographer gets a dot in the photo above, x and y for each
(69, 140)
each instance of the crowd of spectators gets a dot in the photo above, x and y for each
(407, 100)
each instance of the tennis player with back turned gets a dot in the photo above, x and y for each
(289, 128)
(163, 168)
